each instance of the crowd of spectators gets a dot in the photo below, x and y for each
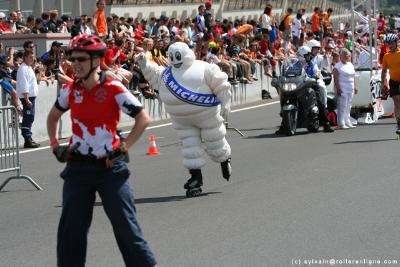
(236, 46)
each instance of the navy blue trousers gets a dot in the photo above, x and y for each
(28, 116)
(81, 182)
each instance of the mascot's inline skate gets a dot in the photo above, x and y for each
(195, 182)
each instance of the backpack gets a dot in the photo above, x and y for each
(282, 24)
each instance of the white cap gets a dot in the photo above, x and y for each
(304, 50)
(349, 33)
(2, 15)
(313, 43)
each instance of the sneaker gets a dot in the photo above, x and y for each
(343, 127)
(31, 144)
(351, 125)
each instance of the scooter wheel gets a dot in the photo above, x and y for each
(290, 133)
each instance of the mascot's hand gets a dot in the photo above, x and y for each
(141, 60)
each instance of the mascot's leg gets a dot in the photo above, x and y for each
(213, 134)
(193, 157)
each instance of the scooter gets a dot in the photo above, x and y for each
(298, 96)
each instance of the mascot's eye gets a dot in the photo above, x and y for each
(171, 57)
(178, 56)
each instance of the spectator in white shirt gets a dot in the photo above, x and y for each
(27, 89)
(163, 31)
(397, 24)
(84, 26)
(344, 82)
(297, 29)
(266, 20)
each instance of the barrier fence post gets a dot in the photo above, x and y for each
(9, 146)
(60, 124)
(226, 122)
(226, 116)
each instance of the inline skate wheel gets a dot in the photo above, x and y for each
(195, 192)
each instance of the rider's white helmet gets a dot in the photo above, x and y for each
(314, 43)
(304, 50)
(391, 38)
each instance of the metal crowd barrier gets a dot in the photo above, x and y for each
(9, 146)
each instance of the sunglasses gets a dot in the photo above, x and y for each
(79, 59)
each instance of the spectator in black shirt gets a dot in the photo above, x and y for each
(30, 24)
(18, 59)
(76, 28)
(52, 24)
(40, 27)
(208, 17)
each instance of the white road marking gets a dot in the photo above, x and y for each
(159, 126)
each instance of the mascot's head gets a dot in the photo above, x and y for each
(180, 54)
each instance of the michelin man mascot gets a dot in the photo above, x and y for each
(194, 93)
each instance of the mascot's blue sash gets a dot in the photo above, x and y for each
(184, 94)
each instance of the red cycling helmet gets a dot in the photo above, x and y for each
(90, 44)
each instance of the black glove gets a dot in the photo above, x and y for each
(63, 152)
(119, 154)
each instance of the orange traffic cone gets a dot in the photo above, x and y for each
(152, 150)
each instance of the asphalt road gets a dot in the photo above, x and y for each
(310, 196)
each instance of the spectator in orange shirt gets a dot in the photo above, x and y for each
(316, 23)
(327, 21)
(99, 19)
(287, 34)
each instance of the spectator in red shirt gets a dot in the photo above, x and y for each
(5, 27)
(139, 32)
(218, 28)
(112, 59)
(111, 53)
(381, 23)
(383, 50)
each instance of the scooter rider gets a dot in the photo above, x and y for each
(319, 61)
(312, 70)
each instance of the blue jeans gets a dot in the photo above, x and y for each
(81, 182)
(6, 86)
(28, 116)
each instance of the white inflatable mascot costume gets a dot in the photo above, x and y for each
(194, 92)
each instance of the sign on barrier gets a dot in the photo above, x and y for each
(9, 146)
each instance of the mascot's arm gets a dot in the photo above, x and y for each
(151, 71)
(217, 80)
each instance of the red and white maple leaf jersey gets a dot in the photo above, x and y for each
(95, 114)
